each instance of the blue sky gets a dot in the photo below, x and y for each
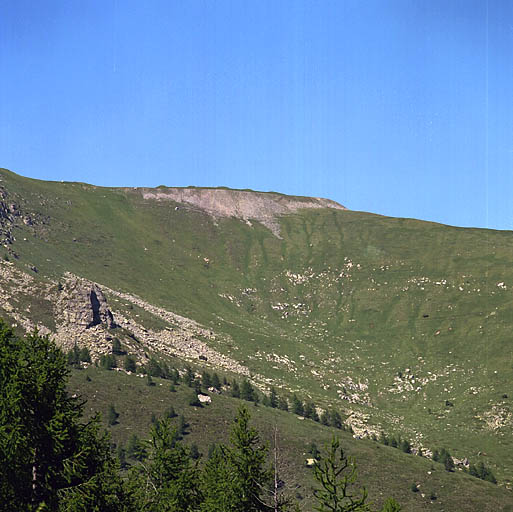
(402, 108)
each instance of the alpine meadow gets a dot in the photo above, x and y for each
(248, 351)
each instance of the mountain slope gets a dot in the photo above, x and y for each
(403, 324)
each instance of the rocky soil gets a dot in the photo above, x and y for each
(245, 205)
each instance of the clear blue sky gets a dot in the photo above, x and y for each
(403, 108)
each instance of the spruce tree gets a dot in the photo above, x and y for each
(297, 405)
(246, 391)
(235, 389)
(129, 364)
(216, 383)
(273, 398)
(336, 474)
(112, 416)
(49, 456)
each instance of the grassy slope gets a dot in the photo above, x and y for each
(384, 471)
(366, 324)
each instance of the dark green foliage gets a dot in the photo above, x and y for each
(283, 405)
(149, 380)
(174, 376)
(211, 448)
(194, 452)
(121, 456)
(445, 458)
(108, 361)
(273, 398)
(309, 410)
(393, 442)
(247, 392)
(236, 476)
(129, 364)
(297, 405)
(116, 347)
(172, 388)
(188, 377)
(153, 368)
(414, 487)
(169, 480)
(405, 446)
(153, 418)
(73, 356)
(325, 419)
(482, 472)
(182, 426)
(135, 448)
(216, 383)
(206, 379)
(194, 400)
(112, 416)
(85, 355)
(235, 389)
(335, 419)
(391, 505)
(313, 450)
(170, 412)
(336, 474)
(47, 455)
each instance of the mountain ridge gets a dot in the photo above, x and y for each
(403, 325)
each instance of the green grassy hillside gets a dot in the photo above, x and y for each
(406, 325)
(383, 470)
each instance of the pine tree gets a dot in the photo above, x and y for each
(273, 398)
(188, 377)
(297, 405)
(194, 452)
(216, 383)
(153, 368)
(405, 446)
(135, 448)
(235, 389)
(206, 379)
(283, 405)
(309, 410)
(246, 391)
(47, 454)
(73, 356)
(236, 476)
(112, 416)
(391, 505)
(336, 474)
(116, 347)
(85, 355)
(129, 364)
(335, 419)
(169, 479)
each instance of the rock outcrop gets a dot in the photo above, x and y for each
(83, 305)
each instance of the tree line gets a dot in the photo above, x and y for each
(51, 459)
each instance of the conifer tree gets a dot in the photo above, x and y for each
(246, 391)
(297, 405)
(235, 389)
(273, 398)
(216, 383)
(336, 474)
(49, 458)
(169, 479)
